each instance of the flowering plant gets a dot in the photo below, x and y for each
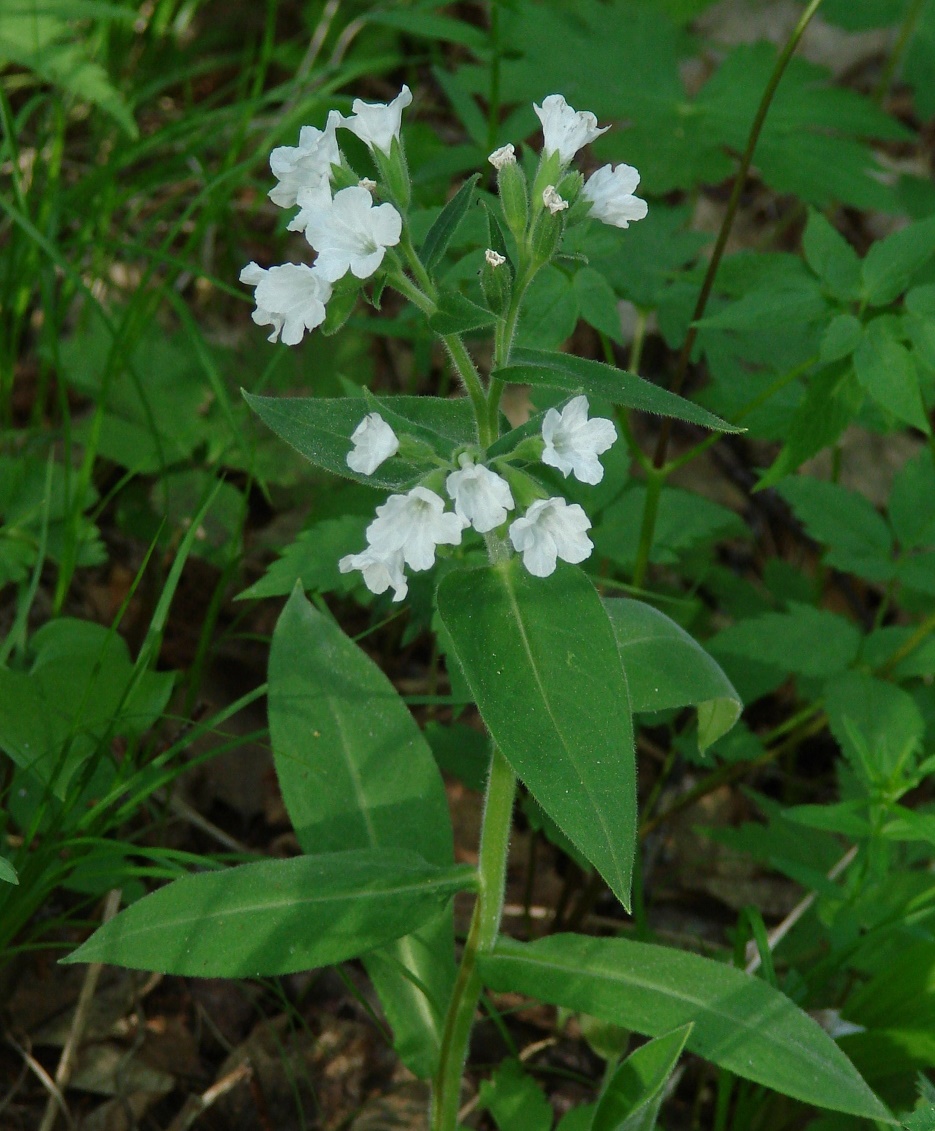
(555, 669)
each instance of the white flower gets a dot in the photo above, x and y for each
(481, 497)
(312, 199)
(414, 524)
(565, 131)
(494, 258)
(290, 298)
(299, 166)
(377, 123)
(551, 529)
(350, 233)
(552, 200)
(505, 155)
(380, 572)
(374, 441)
(573, 443)
(610, 191)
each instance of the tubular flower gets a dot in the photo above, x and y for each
(552, 200)
(610, 192)
(414, 524)
(481, 497)
(299, 166)
(573, 443)
(290, 298)
(551, 529)
(505, 155)
(350, 233)
(564, 130)
(374, 441)
(377, 123)
(380, 571)
(311, 199)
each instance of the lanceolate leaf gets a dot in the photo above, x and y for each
(276, 916)
(355, 772)
(739, 1022)
(579, 375)
(320, 428)
(541, 659)
(634, 1093)
(439, 235)
(666, 668)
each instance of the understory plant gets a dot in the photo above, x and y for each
(485, 530)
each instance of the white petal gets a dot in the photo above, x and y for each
(377, 123)
(573, 443)
(609, 191)
(564, 130)
(414, 524)
(291, 298)
(380, 572)
(481, 497)
(350, 234)
(374, 441)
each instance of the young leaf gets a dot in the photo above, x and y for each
(7, 872)
(911, 507)
(634, 1093)
(320, 428)
(877, 725)
(439, 235)
(276, 916)
(739, 1023)
(355, 773)
(515, 1100)
(831, 257)
(546, 643)
(665, 668)
(457, 314)
(577, 375)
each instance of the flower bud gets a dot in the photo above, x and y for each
(514, 200)
(546, 236)
(394, 172)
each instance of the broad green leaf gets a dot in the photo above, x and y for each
(320, 428)
(876, 724)
(579, 375)
(831, 257)
(841, 337)
(578, 1119)
(439, 235)
(276, 916)
(7, 872)
(921, 1120)
(758, 311)
(890, 264)
(81, 691)
(356, 773)
(515, 1100)
(546, 644)
(804, 640)
(887, 370)
(550, 310)
(457, 314)
(856, 537)
(739, 1023)
(665, 667)
(598, 303)
(634, 1093)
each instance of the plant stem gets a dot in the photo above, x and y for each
(654, 482)
(485, 924)
(899, 48)
(467, 371)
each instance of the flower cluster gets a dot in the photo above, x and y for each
(347, 230)
(408, 528)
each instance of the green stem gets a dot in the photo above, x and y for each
(506, 333)
(727, 223)
(654, 484)
(485, 925)
(417, 266)
(408, 289)
(467, 371)
(899, 48)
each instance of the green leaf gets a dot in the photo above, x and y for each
(546, 643)
(598, 303)
(921, 1120)
(515, 1100)
(887, 370)
(7, 872)
(665, 667)
(634, 1093)
(457, 314)
(876, 724)
(739, 1023)
(890, 264)
(550, 310)
(320, 428)
(356, 773)
(312, 559)
(841, 337)
(805, 640)
(857, 537)
(910, 505)
(276, 916)
(579, 375)
(831, 257)
(439, 235)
